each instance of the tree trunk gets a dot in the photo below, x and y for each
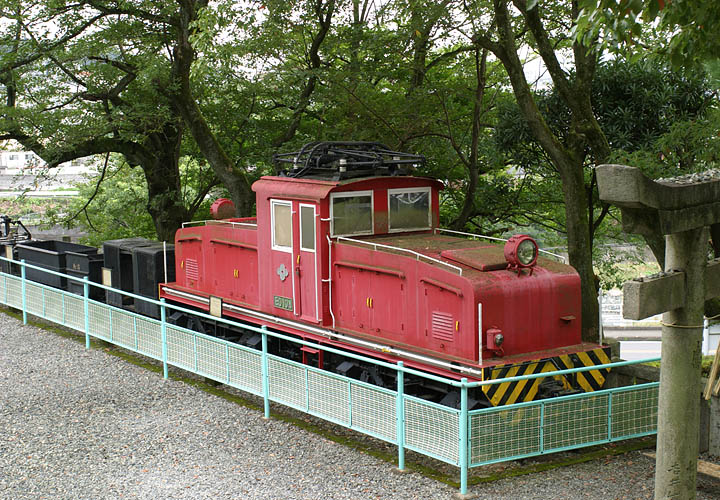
(579, 248)
(184, 102)
(568, 159)
(162, 173)
(472, 165)
(325, 21)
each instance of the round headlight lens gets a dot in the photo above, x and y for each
(527, 252)
(521, 251)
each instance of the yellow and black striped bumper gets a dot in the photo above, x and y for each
(526, 390)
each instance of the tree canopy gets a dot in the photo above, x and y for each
(681, 32)
(223, 85)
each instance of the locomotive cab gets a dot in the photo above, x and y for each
(306, 216)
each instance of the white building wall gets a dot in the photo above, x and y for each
(27, 163)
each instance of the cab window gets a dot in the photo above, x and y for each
(282, 225)
(307, 228)
(351, 213)
(409, 209)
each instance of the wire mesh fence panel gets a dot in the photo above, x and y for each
(99, 321)
(328, 397)
(635, 411)
(3, 288)
(432, 430)
(34, 299)
(149, 337)
(287, 383)
(211, 358)
(501, 434)
(13, 292)
(123, 329)
(245, 369)
(374, 412)
(575, 422)
(495, 434)
(54, 306)
(181, 348)
(74, 312)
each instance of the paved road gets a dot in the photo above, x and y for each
(634, 350)
(644, 343)
(624, 333)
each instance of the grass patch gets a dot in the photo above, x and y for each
(705, 365)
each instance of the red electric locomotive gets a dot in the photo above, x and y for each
(346, 251)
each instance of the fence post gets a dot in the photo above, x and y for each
(24, 291)
(86, 308)
(610, 416)
(265, 373)
(542, 427)
(464, 437)
(400, 415)
(163, 334)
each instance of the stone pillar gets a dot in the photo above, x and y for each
(678, 409)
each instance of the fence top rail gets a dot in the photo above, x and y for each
(602, 392)
(257, 329)
(560, 372)
(319, 371)
(393, 366)
(22, 263)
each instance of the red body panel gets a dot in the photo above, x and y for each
(219, 259)
(427, 293)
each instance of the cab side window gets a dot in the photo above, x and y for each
(282, 225)
(409, 209)
(351, 213)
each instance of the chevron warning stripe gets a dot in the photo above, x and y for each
(526, 390)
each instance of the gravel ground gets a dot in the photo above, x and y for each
(88, 425)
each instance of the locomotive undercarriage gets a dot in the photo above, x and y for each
(367, 372)
(384, 377)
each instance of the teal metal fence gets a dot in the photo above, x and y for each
(459, 437)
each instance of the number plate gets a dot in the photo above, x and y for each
(283, 303)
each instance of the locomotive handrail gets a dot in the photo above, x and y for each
(493, 238)
(218, 222)
(229, 222)
(331, 335)
(418, 256)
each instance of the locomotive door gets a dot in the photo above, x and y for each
(305, 270)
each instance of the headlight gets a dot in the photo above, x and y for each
(527, 252)
(521, 251)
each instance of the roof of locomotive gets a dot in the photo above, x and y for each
(272, 186)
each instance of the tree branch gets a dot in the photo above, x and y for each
(93, 195)
(134, 12)
(325, 21)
